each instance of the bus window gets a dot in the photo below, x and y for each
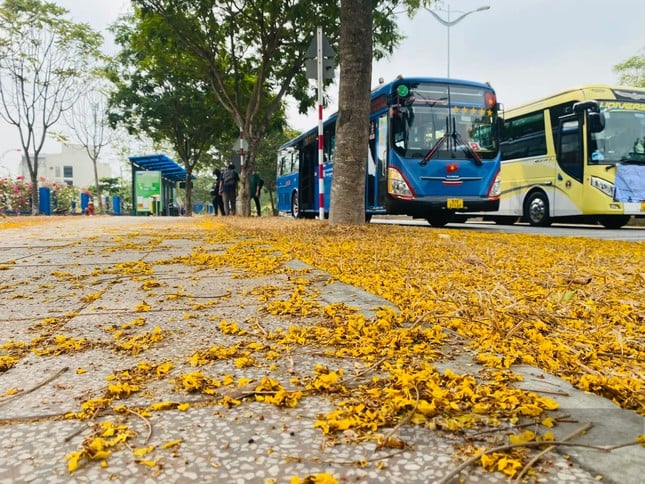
(524, 136)
(401, 121)
(570, 153)
(482, 136)
(427, 113)
(371, 164)
(284, 162)
(620, 140)
(560, 110)
(329, 137)
(381, 151)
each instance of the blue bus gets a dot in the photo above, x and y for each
(433, 152)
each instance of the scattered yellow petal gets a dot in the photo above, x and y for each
(172, 443)
(141, 451)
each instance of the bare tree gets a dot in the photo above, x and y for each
(88, 122)
(43, 58)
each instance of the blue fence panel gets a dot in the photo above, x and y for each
(116, 205)
(44, 201)
(85, 200)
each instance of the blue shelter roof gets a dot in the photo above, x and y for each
(168, 167)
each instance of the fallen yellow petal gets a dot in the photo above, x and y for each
(172, 443)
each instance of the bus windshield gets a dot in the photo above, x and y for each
(623, 139)
(425, 114)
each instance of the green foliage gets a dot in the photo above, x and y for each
(265, 161)
(632, 71)
(110, 186)
(266, 41)
(251, 55)
(161, 93)
(201, 188)
(63, 196)
(162, 96)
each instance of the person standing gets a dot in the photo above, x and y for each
(230, 178)
(256, 189)
(216, 194)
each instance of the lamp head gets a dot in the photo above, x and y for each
(485, 7)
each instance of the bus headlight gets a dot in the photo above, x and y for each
(496, 187)
(396, 184)
(603, 185)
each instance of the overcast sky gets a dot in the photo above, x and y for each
(526, 49)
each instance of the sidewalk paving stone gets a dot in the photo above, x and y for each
(61, 278)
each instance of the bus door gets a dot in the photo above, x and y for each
(372, 156)
(569, 189)
(376, 187)
(307, 183)
(381, 160)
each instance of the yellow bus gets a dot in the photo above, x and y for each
(576, 156)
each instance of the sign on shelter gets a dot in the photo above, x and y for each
(147, 190)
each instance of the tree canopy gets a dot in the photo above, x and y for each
(632, 71)
(252, 54)
(162, 95)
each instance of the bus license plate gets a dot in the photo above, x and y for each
(455, 203)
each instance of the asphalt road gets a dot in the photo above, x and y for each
(628, 233)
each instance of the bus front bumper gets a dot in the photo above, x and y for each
(420, 207)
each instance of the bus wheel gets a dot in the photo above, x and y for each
(295, 206)
(536, 210)
(439, 219)
(504, 220)
(614, 221)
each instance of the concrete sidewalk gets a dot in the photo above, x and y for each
(94, 307)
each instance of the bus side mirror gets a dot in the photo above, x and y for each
(596, 122)
(591, 106)
(499, 125)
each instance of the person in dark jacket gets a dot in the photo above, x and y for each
(230, 178)
(216, 195)
(256, 188)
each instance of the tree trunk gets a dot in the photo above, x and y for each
(270, 191)
(35, 202)
(244, 193)
(33, 179)
(189, 190)
(352, 125)
(97, 185)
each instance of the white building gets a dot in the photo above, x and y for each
(72, 166)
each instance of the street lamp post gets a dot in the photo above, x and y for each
(449, 23)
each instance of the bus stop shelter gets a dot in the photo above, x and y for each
(154, 184)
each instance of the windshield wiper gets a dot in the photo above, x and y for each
(457, 140)
(467, 148)
(633, 161)
(434, 149)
